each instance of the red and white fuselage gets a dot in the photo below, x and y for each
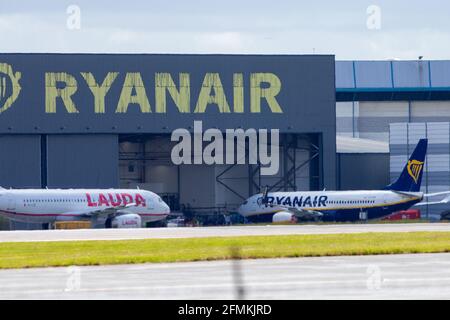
(51, 205)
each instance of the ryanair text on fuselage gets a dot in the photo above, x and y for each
(297, 201)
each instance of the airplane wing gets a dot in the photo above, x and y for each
(104, 211)
(436, 194)
(443, 201)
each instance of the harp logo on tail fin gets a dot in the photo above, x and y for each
(414, 168)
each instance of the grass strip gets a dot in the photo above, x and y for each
(65, 253)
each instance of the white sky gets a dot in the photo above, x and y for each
(408, 29)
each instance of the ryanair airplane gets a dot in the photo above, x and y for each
(344, 205)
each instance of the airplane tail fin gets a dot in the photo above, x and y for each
(411, 176)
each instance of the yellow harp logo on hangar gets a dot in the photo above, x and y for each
(414, 168)
(9, 86)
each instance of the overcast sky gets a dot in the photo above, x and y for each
(353, 29)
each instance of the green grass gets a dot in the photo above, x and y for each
(45, 254)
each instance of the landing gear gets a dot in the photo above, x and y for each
(363, 216)
(108, 223)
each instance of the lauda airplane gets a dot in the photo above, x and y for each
(344, 205)
(119, 208)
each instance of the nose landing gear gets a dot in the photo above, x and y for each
(363, 215)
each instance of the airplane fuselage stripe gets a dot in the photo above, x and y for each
(68, 215)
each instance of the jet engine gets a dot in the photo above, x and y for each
(130, 220)
(284, 216)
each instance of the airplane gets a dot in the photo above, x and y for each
(344, 205)
(116, 208)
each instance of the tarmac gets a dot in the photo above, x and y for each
(409, 276)
(199, 232)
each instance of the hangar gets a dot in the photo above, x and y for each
(106, 120)
(96, 120)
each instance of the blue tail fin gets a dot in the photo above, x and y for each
(411, 176)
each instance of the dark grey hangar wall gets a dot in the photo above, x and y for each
(61, 114)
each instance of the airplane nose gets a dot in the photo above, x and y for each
(166, 209)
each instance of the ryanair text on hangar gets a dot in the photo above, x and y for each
(61, 88)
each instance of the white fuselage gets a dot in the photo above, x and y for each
(342, 202)
(50, 205)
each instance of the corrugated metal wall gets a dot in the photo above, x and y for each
(424, 111)
(403, 139)
(82, 161)
(351, 165)
(371, 119)
(392, 74)
(20, 164)
(373, 94)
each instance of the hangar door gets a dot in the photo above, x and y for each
(144, 162)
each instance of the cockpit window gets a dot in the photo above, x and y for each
(245, 202)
